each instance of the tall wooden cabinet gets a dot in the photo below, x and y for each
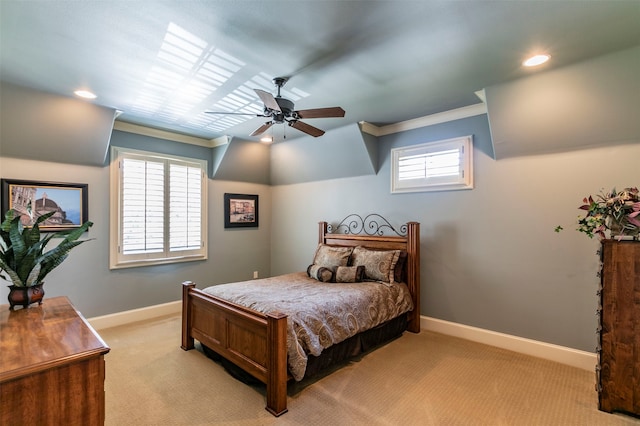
(618, 370)
(52, 367)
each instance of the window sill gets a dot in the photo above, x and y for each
(152, 262)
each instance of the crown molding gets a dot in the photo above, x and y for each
(163, 134)
(429, 120)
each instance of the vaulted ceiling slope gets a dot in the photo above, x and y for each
(593, 103)
(47, 127)
(163, 63)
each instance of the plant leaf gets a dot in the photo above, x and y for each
(32, 279)
(13, 275)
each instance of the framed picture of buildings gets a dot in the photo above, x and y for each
(240, 211)
(32, 199)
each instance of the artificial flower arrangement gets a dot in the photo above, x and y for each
(616, 211)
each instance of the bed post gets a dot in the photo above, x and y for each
(187, 340)
(277, 364)
(413, 271)
(322, 231)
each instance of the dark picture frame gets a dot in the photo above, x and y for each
(69, 200)
(240, 211)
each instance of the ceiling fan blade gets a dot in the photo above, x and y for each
(321, 112)
(262, 128)
(233, 113)
(268, 100)
(306, 128)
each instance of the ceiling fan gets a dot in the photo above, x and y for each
(281, 110)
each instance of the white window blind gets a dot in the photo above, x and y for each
(435, 166)
(158, 209)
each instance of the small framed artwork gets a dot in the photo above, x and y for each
(69, 201)
(240, 211)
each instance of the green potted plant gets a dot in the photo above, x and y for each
(616, 213)
(23, 257)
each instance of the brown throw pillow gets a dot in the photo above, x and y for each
(320, 273)
(349, 274)
(399, 272)
(379, 265)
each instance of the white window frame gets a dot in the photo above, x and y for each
(463, 179)
(117, 259)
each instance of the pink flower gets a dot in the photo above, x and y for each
(631, 217)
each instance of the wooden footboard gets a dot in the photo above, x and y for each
(255, 342)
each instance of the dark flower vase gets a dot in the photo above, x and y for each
(25, 296)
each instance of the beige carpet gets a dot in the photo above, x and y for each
(418, 379)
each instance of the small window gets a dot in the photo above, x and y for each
(158, 209)
(435, 166)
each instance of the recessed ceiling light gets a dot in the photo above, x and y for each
(536, 60)
(85, 94)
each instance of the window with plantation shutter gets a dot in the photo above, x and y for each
(158, 209)
(435, 166)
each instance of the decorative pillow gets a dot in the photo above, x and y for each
(399, 272)
(320, 273)
(349, 274)
(379, 265)
(332, 256)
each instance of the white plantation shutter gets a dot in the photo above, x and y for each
(185, 201)
(430, 165)
(158, 214)
(142, 206)
(435, 166)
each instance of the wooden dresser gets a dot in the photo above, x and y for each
(618, 370)
(52, 367)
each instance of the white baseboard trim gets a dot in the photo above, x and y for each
(135, 315)
(561, 354)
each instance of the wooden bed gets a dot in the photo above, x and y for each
(256, 342)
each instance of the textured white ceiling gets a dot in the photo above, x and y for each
(162, 63)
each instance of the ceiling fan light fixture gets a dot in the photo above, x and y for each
(85, 94)
(536, 60)
(266, 139)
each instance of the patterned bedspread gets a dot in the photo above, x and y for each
(319, 314)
